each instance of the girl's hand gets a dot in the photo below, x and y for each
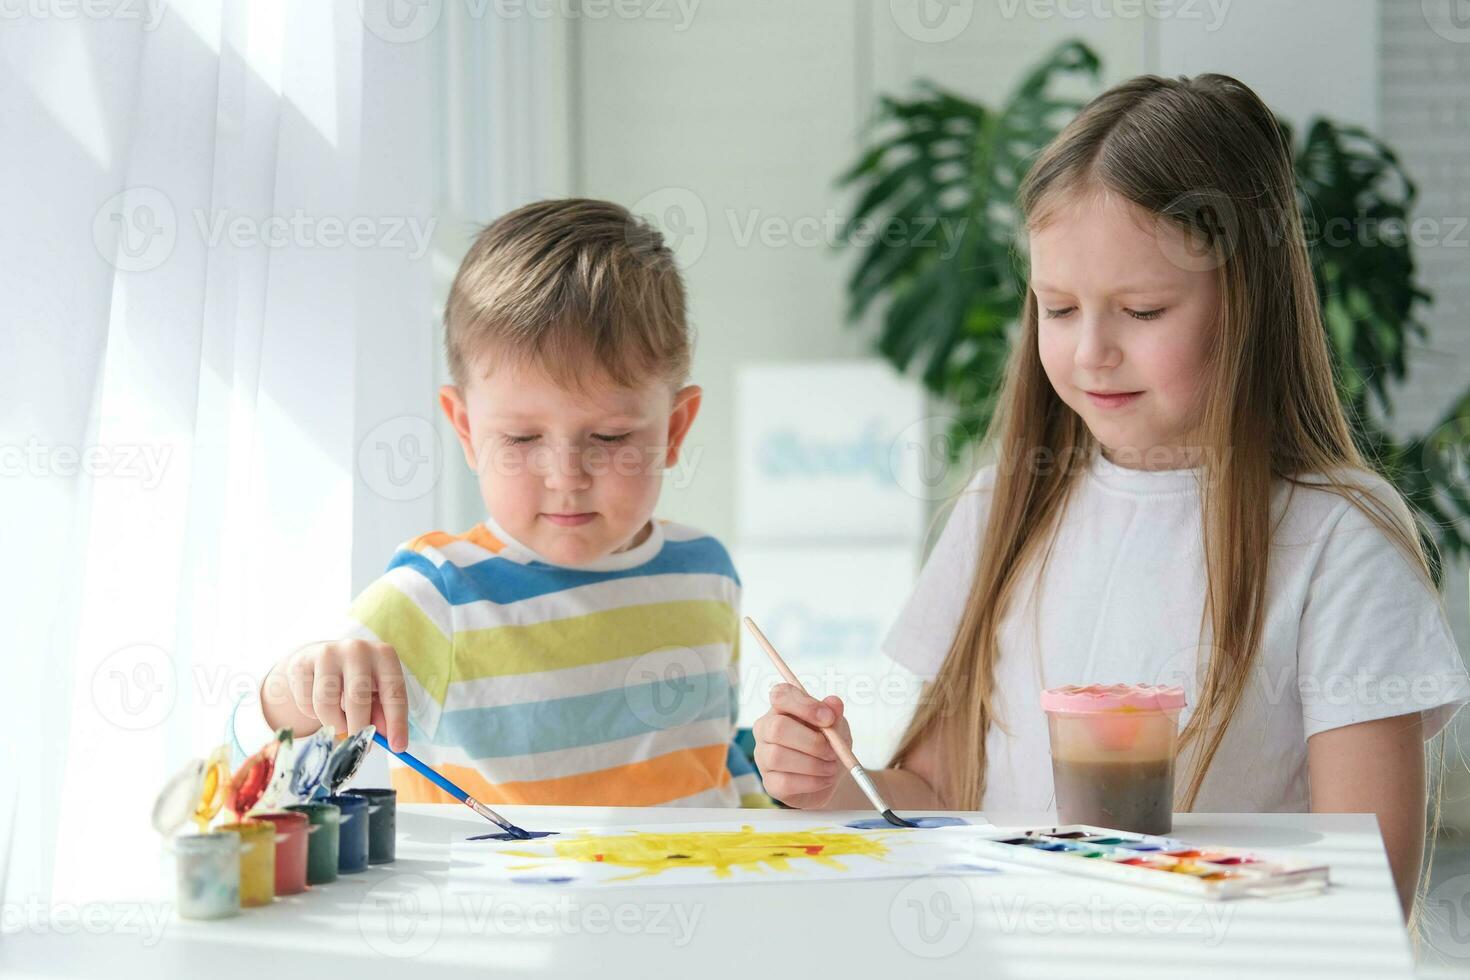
(796, 761)
(344, 683)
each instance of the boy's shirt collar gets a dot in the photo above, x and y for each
(615, 562)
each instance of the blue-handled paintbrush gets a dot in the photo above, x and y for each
(424, 770)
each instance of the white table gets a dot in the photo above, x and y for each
(400, 920)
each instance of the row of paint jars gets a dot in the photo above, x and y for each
(295, 826)
(283, 852)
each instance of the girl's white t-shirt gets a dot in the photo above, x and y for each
(1352, 631)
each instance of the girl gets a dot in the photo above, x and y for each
(1176, 498)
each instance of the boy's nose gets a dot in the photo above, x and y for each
(566, 469)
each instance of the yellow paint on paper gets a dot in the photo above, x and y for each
(717, 850)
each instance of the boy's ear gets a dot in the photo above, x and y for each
(453, 404)
(686, 407)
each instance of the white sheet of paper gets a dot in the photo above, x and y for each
(748, 849)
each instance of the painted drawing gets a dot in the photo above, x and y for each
(745, 851)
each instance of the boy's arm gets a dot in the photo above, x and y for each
(390, 666)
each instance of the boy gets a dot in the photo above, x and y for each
(569, 649)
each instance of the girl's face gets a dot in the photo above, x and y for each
(1125, 307)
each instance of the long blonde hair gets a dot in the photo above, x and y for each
(1206, 154)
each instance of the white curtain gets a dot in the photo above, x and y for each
(219, 346)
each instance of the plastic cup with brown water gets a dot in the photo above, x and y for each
(1112, 754)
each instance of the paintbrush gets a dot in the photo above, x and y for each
(854, 768)
(428, 773)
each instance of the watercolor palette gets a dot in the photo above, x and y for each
(1154, 862)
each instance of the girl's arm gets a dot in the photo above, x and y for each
(1391, 784)
(800, 769)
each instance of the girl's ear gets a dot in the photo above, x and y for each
(686, 407)
(452, 401)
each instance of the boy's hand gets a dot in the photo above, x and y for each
(797, 764)
(343, 683)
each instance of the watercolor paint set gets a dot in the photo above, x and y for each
(1165, 863)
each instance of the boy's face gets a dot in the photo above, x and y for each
(1125, 307)
(573, 476)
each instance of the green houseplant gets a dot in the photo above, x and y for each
(948, 313)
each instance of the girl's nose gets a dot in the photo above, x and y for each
(1096, 348)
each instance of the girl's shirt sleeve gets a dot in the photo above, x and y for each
(1374, 641)
(921, 636)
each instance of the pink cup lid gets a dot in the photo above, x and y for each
(1111, 697)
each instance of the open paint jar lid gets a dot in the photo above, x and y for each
(197, 792)
(347, 757)
(178, 798)
(309, 763)
(251, 779)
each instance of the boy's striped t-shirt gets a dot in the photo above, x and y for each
(613, 683)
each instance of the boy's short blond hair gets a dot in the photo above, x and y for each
(579, 288)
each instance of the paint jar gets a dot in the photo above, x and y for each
(208, 871)
(1112, 754)
(257, 861)
(321, 840)
(382, 823)
(291, 835)
(352, 846)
